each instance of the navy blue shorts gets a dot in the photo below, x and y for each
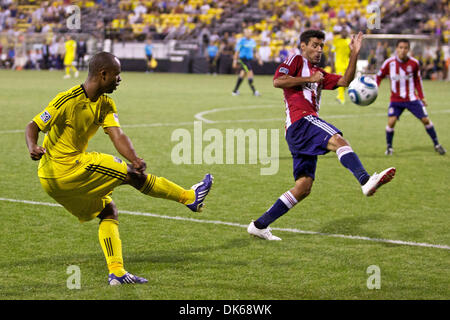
(307, 138)
(415, 107)
(246, 64)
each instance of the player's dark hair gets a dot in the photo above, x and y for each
(308, 34)
(101, 60)
(402, 40)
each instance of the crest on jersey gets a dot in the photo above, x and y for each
(45, 116)
(409, 68)
(116, 117)
(284, 70)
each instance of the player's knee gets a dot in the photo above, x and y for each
(338, 141)
(109, 212)
(135, 178)
(302, 188)
(392, 121)
(426, 121)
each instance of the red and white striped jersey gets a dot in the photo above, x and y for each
(405, 79)
(303, 100)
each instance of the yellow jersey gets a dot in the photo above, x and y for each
(70, 120)
(71, 47)
(342, 51)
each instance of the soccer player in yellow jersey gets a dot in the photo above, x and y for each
(342, 55)
(82, 182)
(69, 57)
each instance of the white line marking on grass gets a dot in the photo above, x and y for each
(233, 224)
(201, 118)
(201, 115)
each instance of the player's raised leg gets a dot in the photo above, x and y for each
(350, 160)
(160, 187)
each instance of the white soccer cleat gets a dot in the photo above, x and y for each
(440, 149)
(77, 74)
(235, 93)
(389, 151)
(66, 76)
(265, 234)
(377, 180)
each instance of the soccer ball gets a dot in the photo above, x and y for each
(363, 91)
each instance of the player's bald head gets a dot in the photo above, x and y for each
(103, 61)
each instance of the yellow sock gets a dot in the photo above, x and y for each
(74, 69)
(108, 235)
(160, 187)
(67, 71)
(341, 94)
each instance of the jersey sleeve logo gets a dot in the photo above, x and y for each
(116, 117)
(45, 116)
(284, 70)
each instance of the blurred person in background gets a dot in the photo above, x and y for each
(406, 93)
(245, 51)
(212, 53)
(149, 54)
(341, 50)
(264, 51)
(81, 53)
(70, 53)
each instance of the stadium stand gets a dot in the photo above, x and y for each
(194, 24)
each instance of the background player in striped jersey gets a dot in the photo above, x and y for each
(406, 93)
(82, 182)
(306, 134)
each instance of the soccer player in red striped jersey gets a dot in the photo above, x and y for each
(406, 93)
(307, 135)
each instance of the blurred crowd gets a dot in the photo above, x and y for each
(276, 32)
(47, 54)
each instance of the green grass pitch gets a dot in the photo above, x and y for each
(187, 259)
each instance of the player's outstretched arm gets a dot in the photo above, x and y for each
(355, 47)
(125, 147)
(287, 81)
(31, 138)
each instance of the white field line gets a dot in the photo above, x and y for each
(233, 224)
(200, 117)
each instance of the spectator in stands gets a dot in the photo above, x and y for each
(20, 54)
(45, 55)
(204, 38)
(9, 62)
(81, 53)
(140, 9)
(53, 55)
(427, 67)
(283, 54)
(149, 54)
(34, 60)
(226, 51)
(265, 51)
(212, 57)
(342, 14)
(438, 64)
(371, 62)
(379, 54)
(205, 8)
